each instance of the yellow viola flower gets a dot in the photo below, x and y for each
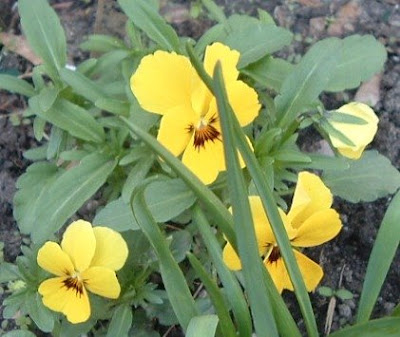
(310, 222)
(86, 261)
(167, 84)
(360, 134)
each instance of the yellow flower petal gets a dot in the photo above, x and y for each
(163, 81)
(206, 161)
(279, 274)
(320, 227)
(244, 101)
(360, 134)
(312, 272)
(262, 227)
(51, 258)
(310, 196)
(350, 153)
(101, 281)
(79, 243)
(174, 131)
(229, 59)
(230, 258)
(57, 297)
(111, 249)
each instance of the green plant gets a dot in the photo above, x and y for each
(97, 126)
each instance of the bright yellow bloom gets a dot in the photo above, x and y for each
(360, 134)
(87, 260)
(310, 222)
(168, 85)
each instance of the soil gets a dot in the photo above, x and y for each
(309, 20)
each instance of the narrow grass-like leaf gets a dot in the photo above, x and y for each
(68, 193)
(308, 79)
(173, 279)
(231, 285)
(252, 267)
(266, 195)
(222, 217)
(383, 252)
(144, 16)
(217, 298)
(43, 30)
(203, 326)
(385, 327)
(16, 85)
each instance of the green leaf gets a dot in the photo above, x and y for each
(43, 30)
(102, 43)
(37, 153)
(144, 16)
(16, 85)
(114, 106)
(344, 294)
(68, 193)
(32, 186)
(215, 33)
(252, 267)
(367, 179)
(203, 326)
(47, 97)
(383, 252)
(216, 12)
(341, 117)
(307, 80)
(19, 333)
(71, 118)
(56, 142)
(256, 40)
(385, 327)
(181, 244)
(283, 318)
(82, 85)
(116, 215)
(167, 199)
(325, 291)
(38, 128)
(217, 298)
(360, 58)
(136, 176)
(321, 162)
(8, 272)
(121, 321)
(173, 278)
(231, 285)
(41, 315)
(269, 72)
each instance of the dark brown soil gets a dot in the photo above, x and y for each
(310, 20)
